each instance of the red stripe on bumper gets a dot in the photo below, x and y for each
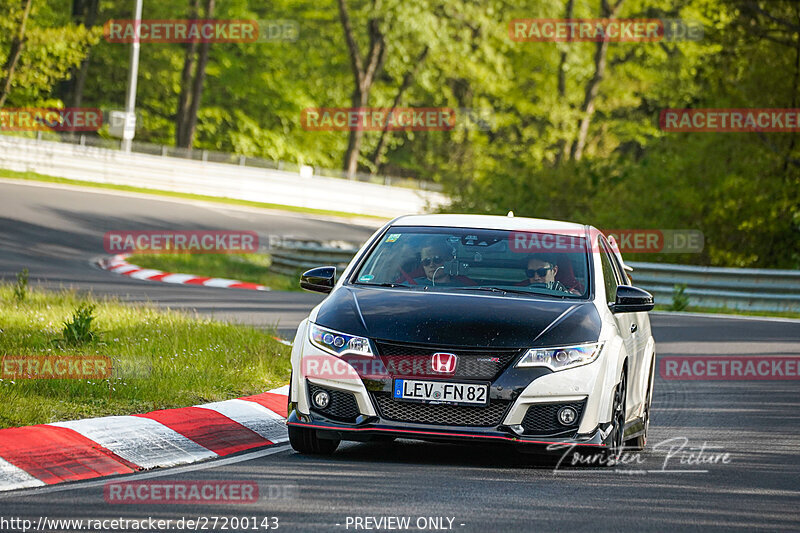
(209, 429)
(55, 454)
(441, 434)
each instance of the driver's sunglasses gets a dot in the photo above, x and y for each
(435, 260)
(540, 272)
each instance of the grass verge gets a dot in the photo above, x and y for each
(160, 359)
(33, 176)
(253, 268)
(726, 311)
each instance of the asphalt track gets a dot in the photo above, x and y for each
(55, 232)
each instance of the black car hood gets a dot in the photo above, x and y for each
(458, 318)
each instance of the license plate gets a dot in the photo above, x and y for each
(441, 391)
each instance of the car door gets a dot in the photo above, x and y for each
(627, 323)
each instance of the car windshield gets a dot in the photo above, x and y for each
(467, 259)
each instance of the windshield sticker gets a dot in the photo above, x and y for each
(366, 277)
(393, 237)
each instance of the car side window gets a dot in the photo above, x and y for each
(609, 274)
(622, 276)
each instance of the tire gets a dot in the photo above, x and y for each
(305, 441)
(617, 443)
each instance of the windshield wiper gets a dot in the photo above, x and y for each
(386, 285)
(495, 289)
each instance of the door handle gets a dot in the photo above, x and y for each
(634, 327)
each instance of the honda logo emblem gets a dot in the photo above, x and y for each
(444, 363)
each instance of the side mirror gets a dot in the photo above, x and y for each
(632, 300)
(320, 279)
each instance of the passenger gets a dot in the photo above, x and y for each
(542, 270)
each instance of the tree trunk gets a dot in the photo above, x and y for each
(407, 79)
(14, 53)
(364, 77)
(79, 75)
(587, 109)
(562, 85)
(199, 79)
(186, 82)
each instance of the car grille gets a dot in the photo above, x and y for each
(443, 415)
(542, 418)
(342, 406)
(472, 364)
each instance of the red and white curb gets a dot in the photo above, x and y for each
(119, 265)
(47, 454)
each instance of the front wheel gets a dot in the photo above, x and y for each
(617, 443)
(305, 440)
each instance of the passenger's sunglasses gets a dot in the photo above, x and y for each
(540, 272)
(435, 260)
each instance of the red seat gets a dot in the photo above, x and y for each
(566, 274)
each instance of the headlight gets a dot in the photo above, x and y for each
(562, 357)
(337, 343)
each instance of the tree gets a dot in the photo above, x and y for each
(39, 47)
(608, 11)
(363, 74)
(86, 12)
(192, 83)
(14, 53)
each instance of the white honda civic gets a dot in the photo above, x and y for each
(475, 328)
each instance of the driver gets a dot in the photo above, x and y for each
(437, 258)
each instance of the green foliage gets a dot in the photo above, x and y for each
(742, 190)
(680, 301)
(79, 330)
(21, 286)
(53, 46)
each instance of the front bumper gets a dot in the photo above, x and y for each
(522, 390)
(367, 428)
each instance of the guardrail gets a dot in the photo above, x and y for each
(744, 289)
(225, 180)
(296, 256)
(213, 156)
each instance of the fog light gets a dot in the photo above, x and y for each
(567, 416)
(321, 399)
